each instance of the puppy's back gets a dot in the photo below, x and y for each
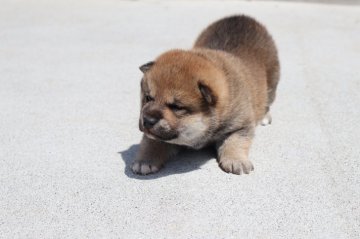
(247, 39)
(239, 35)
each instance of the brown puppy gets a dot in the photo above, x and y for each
(214, 94)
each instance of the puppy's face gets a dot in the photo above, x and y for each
(179, 98)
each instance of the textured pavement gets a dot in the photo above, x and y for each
(69, 105)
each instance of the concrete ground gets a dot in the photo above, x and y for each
(69, 104)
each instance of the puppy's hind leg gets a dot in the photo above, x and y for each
(267, 118)
(273, 77)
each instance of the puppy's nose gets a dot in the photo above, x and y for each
(149, 121)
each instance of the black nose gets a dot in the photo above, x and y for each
(149, 121)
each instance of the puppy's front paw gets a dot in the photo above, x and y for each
(236, 166)
(145, 168)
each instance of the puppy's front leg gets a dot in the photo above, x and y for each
(233, 152)
(152, 155)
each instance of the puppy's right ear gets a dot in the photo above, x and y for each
(144, 68)
(207, 93)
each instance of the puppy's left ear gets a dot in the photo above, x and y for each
(207, 93)
(144, 68)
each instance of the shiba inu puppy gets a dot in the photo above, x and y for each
(212, 95)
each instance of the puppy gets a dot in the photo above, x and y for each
(214, 94)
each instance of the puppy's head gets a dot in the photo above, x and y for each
(181, 94)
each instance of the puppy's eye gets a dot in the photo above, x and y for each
(148, 98)
(175, 107)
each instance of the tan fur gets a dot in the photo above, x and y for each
(214, 94)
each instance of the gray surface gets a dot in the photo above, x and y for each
(317, 1)
(69, 88)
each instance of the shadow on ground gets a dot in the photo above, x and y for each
(186, 161)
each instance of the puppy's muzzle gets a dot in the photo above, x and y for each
(153, 124)
(149, 121)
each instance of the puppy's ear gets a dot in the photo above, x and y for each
(144, 68)
(207, 93)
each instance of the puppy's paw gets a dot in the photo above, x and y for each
(236, 166)
(266, 120)
(145, 168)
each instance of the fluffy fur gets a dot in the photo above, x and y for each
(214, 94)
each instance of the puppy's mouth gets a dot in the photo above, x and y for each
(165, 136)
